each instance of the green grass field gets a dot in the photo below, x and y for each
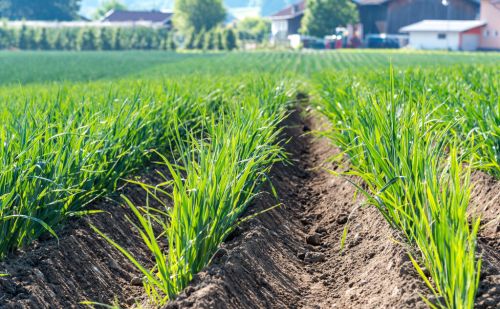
(414, 125)
(43, 67)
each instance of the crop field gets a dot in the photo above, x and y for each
(349, 179)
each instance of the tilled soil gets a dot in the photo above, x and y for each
(485, 201)
(289, 257)
(80, 266)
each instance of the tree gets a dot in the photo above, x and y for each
(323, 16)
(107, 6)
(87, 39)
(61, 42)
(229, 39)
(39, 9)
(200, 40)
(198, 15)
(209, 41)
(43, 41)
(219, 41)
(118, 45)
(171, 42)
(106, 38)
(190, 40)
(23, 39)
(254, 28)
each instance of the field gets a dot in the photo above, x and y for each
(262, 179)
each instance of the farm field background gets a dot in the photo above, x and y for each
(419, 133)
(36, 67)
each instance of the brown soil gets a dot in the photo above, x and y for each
(80, 266)
(289, 257)
(485, 201)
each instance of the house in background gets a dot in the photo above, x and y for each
(287, 21)
(445, 34)
(388, 16)
(490, 13)
(152, 18)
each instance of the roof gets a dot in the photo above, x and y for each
(370, 2)
(443, 25)
(378, 2)
(290, 11)
(135, 16)
(79, 24)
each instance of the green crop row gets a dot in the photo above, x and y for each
(63, 147)
(219, 170)
(414, 140)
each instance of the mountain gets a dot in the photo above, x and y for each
(267, 7)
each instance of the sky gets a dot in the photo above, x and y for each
(268, 6)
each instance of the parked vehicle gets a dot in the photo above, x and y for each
(385, 41)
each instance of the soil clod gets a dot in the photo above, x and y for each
(314, 239)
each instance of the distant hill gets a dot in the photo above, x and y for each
(268, 7)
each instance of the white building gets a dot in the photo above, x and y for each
(445, 34)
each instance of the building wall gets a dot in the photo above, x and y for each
(373, 18)
(430, 40)
(402, 13)
(279, 29)
(490, 38)
(396, 14)
(282, 28)
(470, 39)
(294, 24)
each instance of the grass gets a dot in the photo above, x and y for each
(74, 125)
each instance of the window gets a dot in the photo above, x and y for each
(441, 36)
(486, 33)
(496, 33)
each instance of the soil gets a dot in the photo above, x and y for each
(485, 202)
(288, 257)
(80, 266)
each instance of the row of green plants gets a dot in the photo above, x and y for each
(413, 141)
(215, 174)
(64, 146)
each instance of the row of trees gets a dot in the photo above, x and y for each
(144, 38)
(215, 39)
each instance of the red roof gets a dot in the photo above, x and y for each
(291, 11)
(134, 16)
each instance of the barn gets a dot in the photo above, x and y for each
(445, 34)
(388, 16)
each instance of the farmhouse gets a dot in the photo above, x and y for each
(490, 13)
(445, 34)
(388, 16)
(287, 21)
(154, 18)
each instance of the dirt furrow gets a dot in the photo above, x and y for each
(290, 257)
